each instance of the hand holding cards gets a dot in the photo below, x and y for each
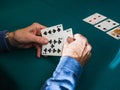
(56, 37)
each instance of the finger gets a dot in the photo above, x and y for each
(79, 37)
(38, 51)
(80, 41)
(69, 39)
(39, 40)
(37, 27)
(88, 55)
(26, 46)
(87, 49)
(86, 58)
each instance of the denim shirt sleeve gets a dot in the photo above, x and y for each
(65, 76)
(3, 43)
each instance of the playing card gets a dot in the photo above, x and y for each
(95, 18)
(54, 47)
(67, 33)
(115, 33)
(52, 30)
(107, 25)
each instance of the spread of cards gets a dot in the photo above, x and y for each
(56, 36)
(105, 24)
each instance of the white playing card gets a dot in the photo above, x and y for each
(95, 18)
(115, 33)
(107, 25)
(52, 30)
(67, 33)
(54, 47)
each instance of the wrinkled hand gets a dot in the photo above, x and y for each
(28, 37)
(78, 48)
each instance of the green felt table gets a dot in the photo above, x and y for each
(21, 70)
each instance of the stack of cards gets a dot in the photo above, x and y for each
(105, 24)
(56, 36)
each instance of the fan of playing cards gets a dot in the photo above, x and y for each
(105, 24)
(56, 37)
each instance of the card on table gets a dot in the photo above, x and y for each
(115, 33)
(52, 30)
(94, 19)
(107, 25)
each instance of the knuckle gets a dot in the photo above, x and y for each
(35, 24)
(85, 39)
(89, 47)
(77, 35)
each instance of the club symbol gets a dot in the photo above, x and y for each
(54, 30)
(58, 50)
(59, 41)
(54, 50)
(45, 49)
(50, 41)
(49, 32)
(49, 50)
(45, 33)
(55, 41)
(52, 46)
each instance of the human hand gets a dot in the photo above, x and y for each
(78, 48)
(28, 37)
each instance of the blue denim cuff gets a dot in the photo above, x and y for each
(70, 63)
(3, 43)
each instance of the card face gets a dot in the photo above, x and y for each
(115, 33)
(52, 30)
(95, 18)
(67, 33)
(53, 34)
(107, 25)
(54, 47)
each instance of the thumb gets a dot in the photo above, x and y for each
(39, 39)
(69, 40)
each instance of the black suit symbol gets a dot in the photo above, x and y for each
(52, 46)
(49, 50)
(50, 41)
(45, 49)
(58, 50)
(59, 41)
(49, 32)
(54, 30)
(54, 50)
(45, 33)
(58, 29)
(55, 41)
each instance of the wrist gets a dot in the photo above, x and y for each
(10, 39)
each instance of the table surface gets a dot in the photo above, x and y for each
(21, 70)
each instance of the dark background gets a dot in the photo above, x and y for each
(21, 70)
